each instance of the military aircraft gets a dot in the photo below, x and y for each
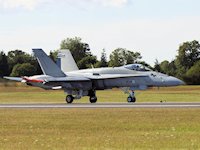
(78, 83)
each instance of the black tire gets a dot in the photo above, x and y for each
(129, 99)
(93, 99)
(134, 100)
(69, 99)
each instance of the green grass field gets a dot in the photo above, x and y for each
(99, 129)
(23, 94)
(146, 128)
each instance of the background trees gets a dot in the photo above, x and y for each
(188, 55)
(4, 71)
(122, 56)
(193, 74)
(19, 57)
(185, 66)
(25, 69)
(103, 60)
(80, 51)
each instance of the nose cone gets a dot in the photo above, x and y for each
(172, 81)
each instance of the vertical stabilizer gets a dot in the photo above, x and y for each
(66, 61)
(47, 65)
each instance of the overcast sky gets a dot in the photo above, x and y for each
(155, 28)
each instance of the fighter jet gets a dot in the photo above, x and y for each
(78, 83)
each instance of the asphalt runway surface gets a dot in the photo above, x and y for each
(103, 105)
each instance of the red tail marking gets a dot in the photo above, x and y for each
(33, 80)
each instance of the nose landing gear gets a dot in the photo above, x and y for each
(131, 98)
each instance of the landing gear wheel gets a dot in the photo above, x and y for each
(69, 99)
(131, 99)
(93, 99)
(134, 100)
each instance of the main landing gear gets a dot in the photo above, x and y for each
(91, 94)
(93, 99)
(69, 99)
(131, 98)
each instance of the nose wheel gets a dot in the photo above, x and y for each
(131, 98)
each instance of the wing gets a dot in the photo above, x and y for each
(68, 79)
(69, 83)
(113, 76)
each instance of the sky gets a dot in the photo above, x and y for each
(155, 28)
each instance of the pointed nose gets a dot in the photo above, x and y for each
(172, 81)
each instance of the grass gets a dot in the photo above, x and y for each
(22, 94)
(99, 129)
(144, 128)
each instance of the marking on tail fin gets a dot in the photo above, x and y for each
(47, 65)
(66, 61)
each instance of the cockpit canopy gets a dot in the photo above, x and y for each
(137, 67)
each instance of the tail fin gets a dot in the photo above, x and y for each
(47, 65)
(66, 61)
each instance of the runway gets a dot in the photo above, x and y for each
(103, 105)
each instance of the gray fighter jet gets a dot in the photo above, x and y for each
(78, 83)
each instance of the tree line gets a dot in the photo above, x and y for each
(185, 66)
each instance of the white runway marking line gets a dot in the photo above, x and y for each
(105, 105)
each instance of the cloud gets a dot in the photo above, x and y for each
(25, 4)
(115, 3)
(32, 4)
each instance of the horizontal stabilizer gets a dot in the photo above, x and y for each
(14, 78)
(47, 65)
